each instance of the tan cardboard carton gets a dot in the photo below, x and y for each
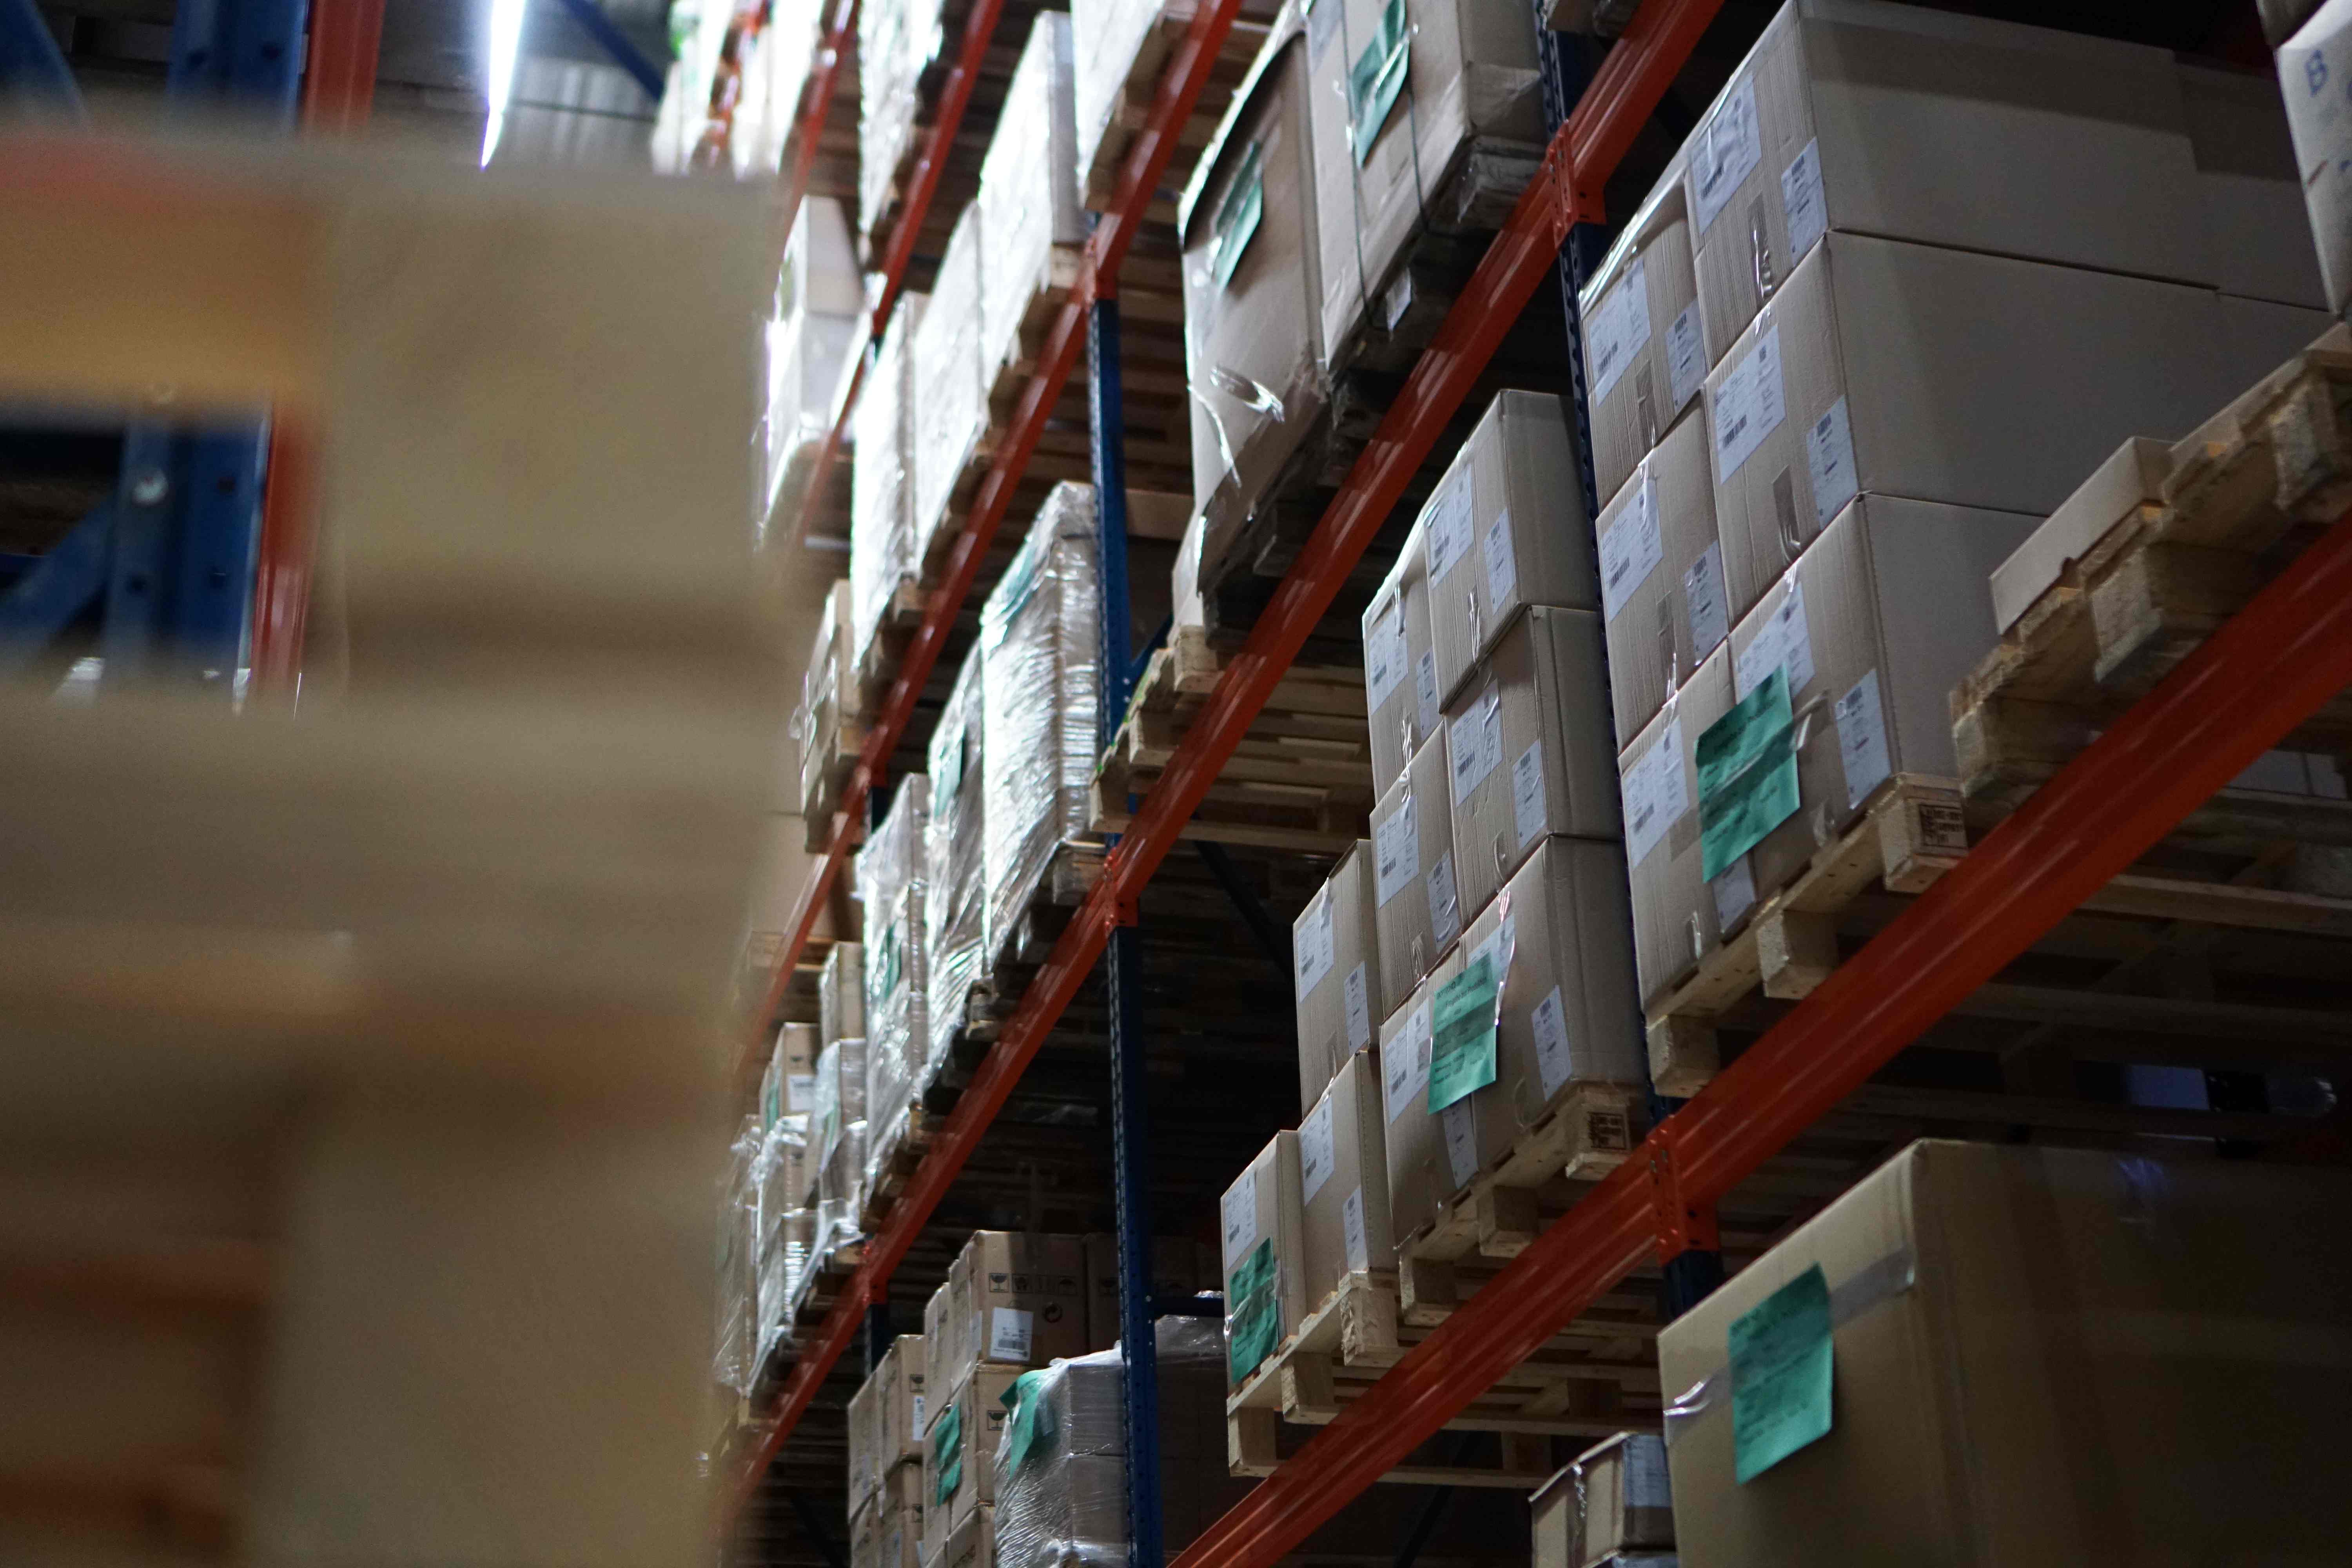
(2019, 381)
(2253, 202)
(1179, 1267)
(1614, 1498)
(1506, 528)
(1675, 922)
(1662, 588)
(788, 1086)
(1252, 338)
(973, 1542)
(900, 1407)
(2139, 1363)
(1014, 1299)
(1944, 130)
(2312, 66)
(1528, 747)
(1265, 1256)
(1335, 972)
(866, 1461)
(1421, 1175)
(1645, 351)
(1399, 665)
(960, 1453)
(1343, 1181)
(841, 994)
(2133, 477)
(1400, 89)
(941, 1353)
(1873, 625)
(1419, 912)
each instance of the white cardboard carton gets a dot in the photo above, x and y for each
(1662, 583)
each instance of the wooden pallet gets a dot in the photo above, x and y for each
(901, 615)
(900, 1150)
(1131, 104)
(1499, 1211)
(1301, 778)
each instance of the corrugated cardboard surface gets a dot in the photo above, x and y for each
(1652, 636)
(1029, 186)
(1335, 944)
(1674, 919)
(2312, 64)
(1040, 1278)
(1536, 719)
(1471, 72)
(980, 1397)
(1344, 1181)
(1948, 131)
(1262, 1205)
(1399, 663)
(1645, 351)
(1506, 528)
(2134, 477)
(950, 399)
(1420, 1176)
(2103, 1358)
(2246, 175)
(1422, 916)
(1253, 348)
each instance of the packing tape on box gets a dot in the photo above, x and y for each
(1872, 1288)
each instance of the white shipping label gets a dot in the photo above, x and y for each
(1617, 331)
(1357, 1002)
(1749, 405)
(1384, 656)
(1829, 460)
(1396, 853)
(917, 1400)
(1734, 893)
(1008, 1333)
(1655, 796)
(1239, 1213)
(1314, 957)
(1444, 908)
(1782, 641)
(1460, 1124)
(1686, 364)
(1465, 751)
(1552, 1063)
(1801, 199)
(1498, 948)
(1424, 688)
(1862, 740)
(1646, 1473)
(1726, 151)
(1631, 550)
(1448, 523)
(1709, 606)
(1528, 808)
(1406, 1079)
(802, 1086)
(1351, 1231)
(1314, 1152)
(1502, 564)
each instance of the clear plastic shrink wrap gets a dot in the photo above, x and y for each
(737, 1240)
(818, 294)
(891, 884)
(895, 39)
(881, 482)
(955, 902)
(951, 411)
(779, 1185)
(1061, 1465)
(837, 1133)
(1028, 189)
(1040, 638)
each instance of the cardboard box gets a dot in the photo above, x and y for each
(1676, 918)
(841, 994)
(2253, 202)
(1335, 972)
(888, 1532)
(1343, 1181)
(830, 696)
(1614, 1499)
(965, 1427)
(1401, 700)
(863, 1437)
(899, 1405)
(788, 1086)
(2016, 384)
(882, 553)
(1921, 125)
(1530, 750)
(1014, 1299)
(1568, 1018)
(972, 1544)
(1506, 528)
(1875, 625)
(1662, 585)
(1179, 1267)
(1399, 89)
(951, 383)
(2314, 65)
(1645, 351)
(1263, 1210)
(2133, 477)
(1418, 913)
(1252, 338)
(1028, 196)
(2138, 1361)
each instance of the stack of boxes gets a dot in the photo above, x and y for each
(836, 1138)
(884, 554)
(955, 901)
(893, 885)
(1029, 199)
(785, 1178)
(1940, 268)
(895, 39)
(1181, 1268)
(831, 700)
(887, 1418)
(817, 301)
(1613, 1507)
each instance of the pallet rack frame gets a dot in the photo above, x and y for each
(2236, 696)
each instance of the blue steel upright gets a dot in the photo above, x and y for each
(1130, 1115)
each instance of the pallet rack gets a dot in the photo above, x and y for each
(2237, 696)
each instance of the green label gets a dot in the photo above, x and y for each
(947, 1452)
(887, 973)
(1257, 1320)
(1376, 78)
(1462, 1044)
(1780, 1374)
(1032, 1419)
(1238, 215)
(1747, 775)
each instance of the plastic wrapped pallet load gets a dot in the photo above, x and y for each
(1028, 190)
(895, 39)
(955, 901)
(1040, 638)
(838, 1132)
(818, 296)
(781, 1177)
(951, 413)
(893, 884)
(739, 1233)
(882, 558)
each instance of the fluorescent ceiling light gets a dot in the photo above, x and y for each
(506, 46)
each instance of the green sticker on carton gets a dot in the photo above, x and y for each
(1781, 1368)
(1256, 1317)
(1747, 775)
(1032, 1419)
(1238, 215)
(1462, 1042)
(947, 1452)
(1376, 78)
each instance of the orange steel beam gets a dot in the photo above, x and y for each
(1179, 91)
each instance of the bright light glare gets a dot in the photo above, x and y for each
(506, 44)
